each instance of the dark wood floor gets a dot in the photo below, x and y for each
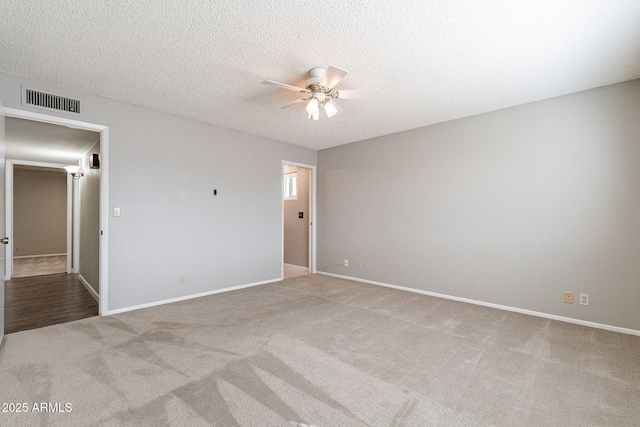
(35, 302)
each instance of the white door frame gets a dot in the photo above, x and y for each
(72, 246)
(312, 213)
(104, 188)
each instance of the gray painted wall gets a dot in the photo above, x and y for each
(39, 212)
(162, 172)
(90, 221)
(296, 230)
(512, 207)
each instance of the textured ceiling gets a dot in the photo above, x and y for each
(433, 61)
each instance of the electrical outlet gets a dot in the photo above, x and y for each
(183, 280)
(359, 266)
(346, 263)
(584, 299)
(568, 297)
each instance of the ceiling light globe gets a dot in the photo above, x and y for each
(312, 106)
(72, 169)
(330, 109)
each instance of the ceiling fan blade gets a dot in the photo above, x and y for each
(335, 104)
(358, 94)
(285, 86)
(297, 101)
(332, 76)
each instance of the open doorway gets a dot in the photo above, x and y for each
(298, 219)
(39, 217)
(33, 140)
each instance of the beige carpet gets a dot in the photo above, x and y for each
(319, 351)
(39, 266)
(291, 271)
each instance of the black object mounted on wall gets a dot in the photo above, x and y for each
(94, 161)
(300, 214)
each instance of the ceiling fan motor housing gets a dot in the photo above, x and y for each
(316, 75)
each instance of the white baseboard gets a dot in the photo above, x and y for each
(86, 284)
(38, 256)
(488, 304)
(187, 297)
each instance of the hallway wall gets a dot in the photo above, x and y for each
(90, 222)
(39, 212)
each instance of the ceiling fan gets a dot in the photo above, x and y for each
(319, 91)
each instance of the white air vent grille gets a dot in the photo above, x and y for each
(47, 100)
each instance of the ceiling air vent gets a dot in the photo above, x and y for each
(48, 100)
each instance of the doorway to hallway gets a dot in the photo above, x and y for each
(91, 294)
(298, 217)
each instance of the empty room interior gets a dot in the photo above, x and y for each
(393, 213)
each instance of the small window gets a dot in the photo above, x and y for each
(291, 186)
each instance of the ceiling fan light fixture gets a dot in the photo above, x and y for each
(312, 107)
(330, 109)
(319, 89)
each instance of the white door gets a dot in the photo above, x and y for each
(4, 240)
